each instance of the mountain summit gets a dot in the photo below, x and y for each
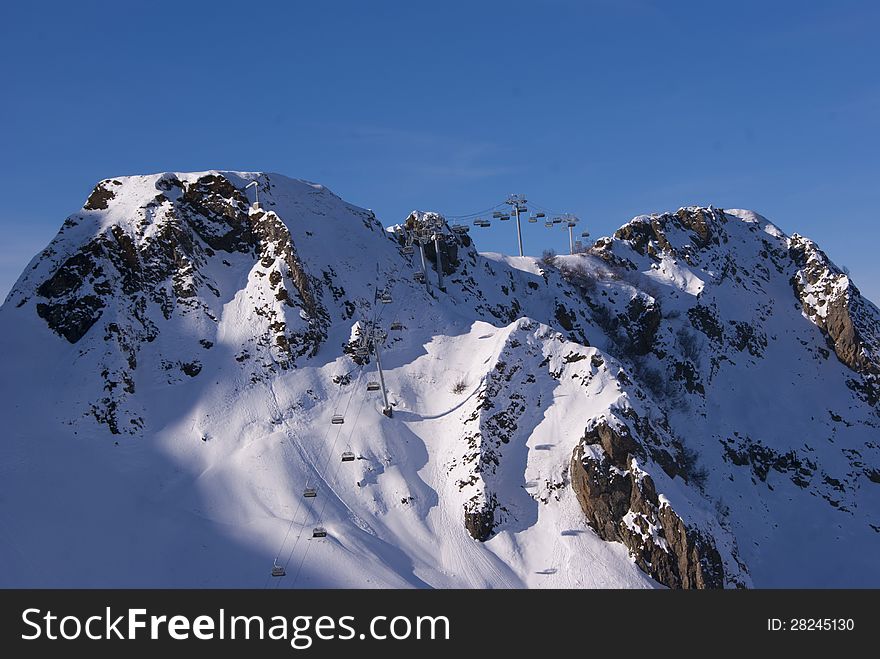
(694, 402)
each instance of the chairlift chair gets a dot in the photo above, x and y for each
(572, 224)
(347, 456)
(310, 492)
(408, 250)
(372, 386)
(539, 215)
(396, 326)
(419, 277)
(337, 420)
(277, 570)
(319, 532)
(385, 298)
(548, 224)
(533, 219)
(505, 217)
(585, 234)
(557, 220)
(497, 214)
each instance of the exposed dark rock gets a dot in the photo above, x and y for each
(192, 368)
(703, 318)
(617, 443)
(69, 277)
(479, 518)
(685, 372)
(746, 337)
(836, 306)
(623, 508)
(100, 196)
(641, 321)
(762, 459)
(564, 317)
(72, 318)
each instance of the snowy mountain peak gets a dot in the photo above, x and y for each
(693, 402)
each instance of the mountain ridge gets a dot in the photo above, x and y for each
(617, 407)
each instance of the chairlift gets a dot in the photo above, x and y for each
(408, 250)
(347, 456)
(319, 532)
(337, 420)
(372, 386)
(277, 570)
(310, 492)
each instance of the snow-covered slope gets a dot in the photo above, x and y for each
(693, 403)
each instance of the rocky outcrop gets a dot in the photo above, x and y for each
(833, 303)
(479, 517)
(621, 504)
(647, 234)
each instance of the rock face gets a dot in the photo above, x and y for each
(166, 253)
(830, 299)
(621, 504)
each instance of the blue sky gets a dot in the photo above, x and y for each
(604, 109)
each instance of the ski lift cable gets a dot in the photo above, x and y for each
(325, 470)
(299, 501)
(377, 317)
(546, 210)
(335, 478)
(354, 426)
(290, 436)
(475, 213)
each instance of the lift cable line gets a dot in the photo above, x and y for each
(327, 499)
(279, 570)
(325, 470)
(514, 207)
(370, 336)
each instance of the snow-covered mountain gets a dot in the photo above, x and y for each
(692, 403)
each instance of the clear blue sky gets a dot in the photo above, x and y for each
(606, 109)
